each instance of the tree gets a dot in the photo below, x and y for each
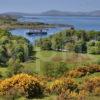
(15, 47)
(18, 53)
(3, 55)
(46, 44)
(69, 46)
(58, 42)
(97, 44)
(81, 47)
(93, 47)
(92, 35)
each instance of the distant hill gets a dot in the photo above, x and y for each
(95, 13)
(61, 13)
(55, 13)
(17, 14)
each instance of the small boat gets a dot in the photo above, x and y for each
(37, 32)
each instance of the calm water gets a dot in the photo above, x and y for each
(32, 38)
(87, 23)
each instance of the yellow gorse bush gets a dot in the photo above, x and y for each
(25, 84)
(61, 85)
(82, 71)
(92, 85)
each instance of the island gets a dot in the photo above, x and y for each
(9, 22)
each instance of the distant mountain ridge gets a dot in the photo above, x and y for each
(62, 13)
(55, 13)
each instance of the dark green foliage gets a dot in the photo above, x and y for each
(18, 53)
(3, 55)
(94, 47)
(46, 44)
(58, 42)
(15, 47)
(80, 47)
(79, 41)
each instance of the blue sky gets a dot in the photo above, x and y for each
(36, 6)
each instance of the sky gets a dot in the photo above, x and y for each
(37, 6)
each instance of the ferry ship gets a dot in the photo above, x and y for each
(31, 32)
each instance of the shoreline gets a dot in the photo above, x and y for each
(33, 26)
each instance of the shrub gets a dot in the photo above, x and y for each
(75, 73)
(97, 91)
(82, 95)
(82, 71)
(62, 84)
(92, 85)
(67, 95)
(93, 68)
(26, 85)
(52, 69)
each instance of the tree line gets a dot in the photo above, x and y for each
(79, 41)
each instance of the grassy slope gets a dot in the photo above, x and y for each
(73, 60)
(42, 56)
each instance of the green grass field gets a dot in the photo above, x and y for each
(71, 59)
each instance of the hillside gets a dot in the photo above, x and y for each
(68, 13)
(55, 13)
